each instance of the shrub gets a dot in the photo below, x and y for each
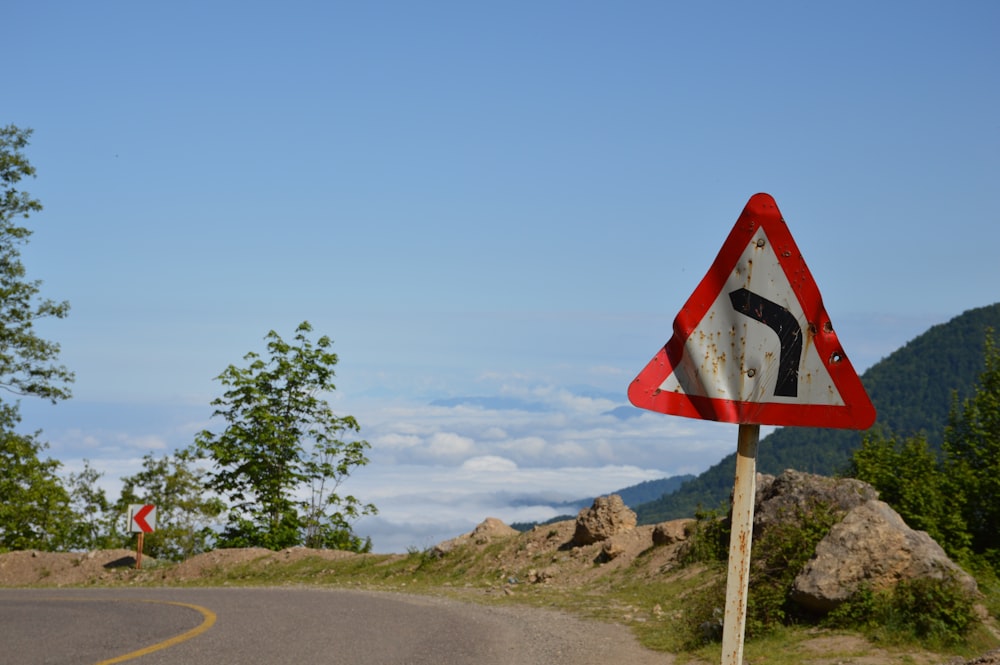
(931, 611)
(708, 539)
(777, 557)
(701, 619)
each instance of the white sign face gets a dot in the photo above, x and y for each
(141, 518)
(754, 342)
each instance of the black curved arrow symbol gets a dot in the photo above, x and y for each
(789, 332)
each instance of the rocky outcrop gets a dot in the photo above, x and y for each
(607, 517)
(869, 544)
(873, 546)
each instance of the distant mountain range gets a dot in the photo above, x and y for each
(912, 390)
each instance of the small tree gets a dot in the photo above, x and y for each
(910, 477)
(93, 515)
(281, 459)
(185, 513)
(972, 455)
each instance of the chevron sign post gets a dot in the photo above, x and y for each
(141, 520)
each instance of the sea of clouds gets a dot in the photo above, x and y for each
(436, 468)
(515, 447)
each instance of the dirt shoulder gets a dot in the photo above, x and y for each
(33, 568)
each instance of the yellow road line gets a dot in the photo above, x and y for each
(197, 630)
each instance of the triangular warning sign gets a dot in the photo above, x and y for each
(753, 344)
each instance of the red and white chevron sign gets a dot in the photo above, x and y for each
(141, 519)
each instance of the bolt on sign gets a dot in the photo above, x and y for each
(753, 345)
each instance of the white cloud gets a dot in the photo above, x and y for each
(530, 447)
(490, 463)
(399, 441)
(494, 434)
(546, 426)
(450, 445)
(147, 442)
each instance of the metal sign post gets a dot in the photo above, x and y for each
(738, 578)
(754, 346)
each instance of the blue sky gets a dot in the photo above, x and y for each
(494, 200)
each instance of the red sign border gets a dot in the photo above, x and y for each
(761, 212)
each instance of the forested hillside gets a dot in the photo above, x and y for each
(912, 391)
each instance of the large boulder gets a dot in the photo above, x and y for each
(873, 546)
(869, 544)
(785, 497)
(606, 517)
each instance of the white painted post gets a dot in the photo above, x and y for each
(738, 579)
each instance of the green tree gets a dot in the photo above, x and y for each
(185, 513)
(911, 478)
(93, 514)
(27, 362)
(34, 506)
(284, 453)
(972, 455)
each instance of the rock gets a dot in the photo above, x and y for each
(611, 550)
(674, 531)
(869, 542)
(536, 576)
(988, 658)
(783, 498)
(606, 517)
(446, 546)
(871, 545)
(486, 531)
(491, 528)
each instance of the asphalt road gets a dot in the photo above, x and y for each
(223, 626)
